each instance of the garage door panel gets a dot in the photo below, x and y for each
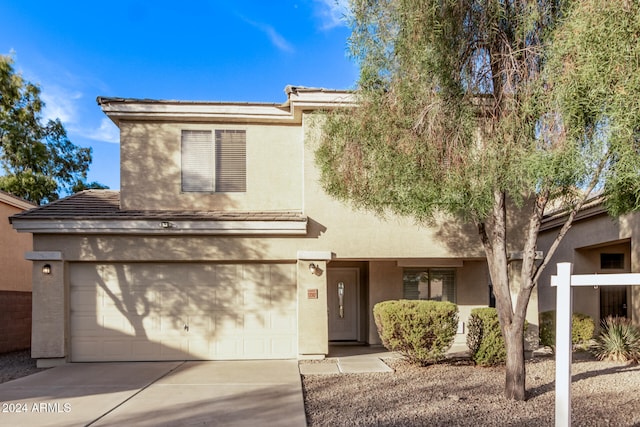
(117, 349)
(229, 323)
(144, 349)
(115, 327)
(228, 347)
(255, 346)
(228, 298)
(83, 300)
(87, 350)
(139, 311)
(86, 325)
(256, 299)
(283, 297)
(282, 346)
(284, 322)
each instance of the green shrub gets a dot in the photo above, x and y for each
(619, 341)
(582, 328)
(474, 333)
(484, 337)
(421, 331)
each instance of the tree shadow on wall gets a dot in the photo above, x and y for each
(184, 297)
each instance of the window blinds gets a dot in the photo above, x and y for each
(214, 166)
(231, 163)
(197, 161)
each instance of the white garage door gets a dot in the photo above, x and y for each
(147, 311)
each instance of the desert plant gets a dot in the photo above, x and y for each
(582, 329)
(421, 331)
(484, 337)
(618, 341)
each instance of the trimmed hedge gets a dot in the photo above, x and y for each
(582, 329)
(484, 337)
(420, 330)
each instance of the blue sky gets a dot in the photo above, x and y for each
(216, 50)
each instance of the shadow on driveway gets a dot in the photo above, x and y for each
(266, 393)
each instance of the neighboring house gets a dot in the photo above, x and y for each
(600, 244)
(15, 278)
(221, 244)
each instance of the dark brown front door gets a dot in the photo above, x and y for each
(613, 301)
(342, 298)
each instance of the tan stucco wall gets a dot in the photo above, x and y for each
(313, 324)
(582, 246)
(15, 271)
(50, 315)
(585, 233)
(276, 156)
(150, 169)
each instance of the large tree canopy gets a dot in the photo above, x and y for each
(475, 107)
(38, 160)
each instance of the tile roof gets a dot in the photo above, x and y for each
(15, 201)
(105, 205)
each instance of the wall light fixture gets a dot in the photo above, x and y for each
(313, 268)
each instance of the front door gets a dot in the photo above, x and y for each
(613, 301)
(343, 293)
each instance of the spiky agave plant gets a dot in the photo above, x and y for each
(619, 341)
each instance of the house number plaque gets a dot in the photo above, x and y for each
(312, 294)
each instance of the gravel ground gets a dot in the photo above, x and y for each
(457, 393)
(17, 364)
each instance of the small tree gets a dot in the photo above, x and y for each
(489, 111)
(38, 160)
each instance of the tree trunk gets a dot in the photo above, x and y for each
(493, 234)
(515, 388)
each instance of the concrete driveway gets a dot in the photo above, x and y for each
(226, 393)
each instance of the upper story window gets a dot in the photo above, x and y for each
(214, 164)
(437, 284)
(611, 261)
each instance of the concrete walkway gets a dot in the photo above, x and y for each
(349, 360)
(355, 359)
(242, 393)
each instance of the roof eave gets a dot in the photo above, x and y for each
(300, 99)
(156, 227)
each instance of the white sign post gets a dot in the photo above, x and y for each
(564, 280)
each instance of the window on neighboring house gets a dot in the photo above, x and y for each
(437, 284)
(210, 165)
(612, 261)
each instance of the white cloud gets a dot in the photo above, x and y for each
(333, 13)
(60, 103)
(276, 38)
(106, 132)
(66, 104)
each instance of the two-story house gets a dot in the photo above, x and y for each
(221, 244)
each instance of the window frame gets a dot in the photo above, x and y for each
(612, 261)
(446, 295)
(209, 162)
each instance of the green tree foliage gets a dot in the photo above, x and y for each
(491, 111)
(38, 160)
